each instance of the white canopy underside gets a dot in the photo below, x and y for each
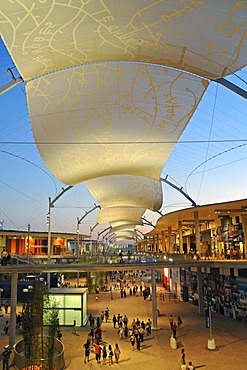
(105, 102)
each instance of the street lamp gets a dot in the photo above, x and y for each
(79, 220)
(28, 241)
(48, 218)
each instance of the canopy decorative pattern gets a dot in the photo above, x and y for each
(204, 37)
(113, 126)
(111, 87)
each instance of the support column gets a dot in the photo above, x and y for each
(153, 245)
(169, 239)
(154, 300)
(200, 291)
(180, 231)
(244, 223)
(163, 241)
(13, 305)
(157, 243)
(188, 243)
(197, 232)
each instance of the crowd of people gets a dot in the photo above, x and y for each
(133, 330)
(95, 344)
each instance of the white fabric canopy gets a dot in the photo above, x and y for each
(111, 85)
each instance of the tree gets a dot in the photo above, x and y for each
(39, 342)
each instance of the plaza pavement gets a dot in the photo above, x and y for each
(156, 353)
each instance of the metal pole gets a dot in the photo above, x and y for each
(78, 250)
(49, 231)
(13, 305)
(28, 241)
(49, 243)
(210, 320)
(154, 299)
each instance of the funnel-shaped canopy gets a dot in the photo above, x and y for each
(111, 87)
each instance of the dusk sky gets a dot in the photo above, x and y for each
(209, 162)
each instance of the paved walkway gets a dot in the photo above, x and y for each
(156, 353)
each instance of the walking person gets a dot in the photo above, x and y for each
(182, 360)
(121, 333)
(132, 342)
(86, 352)
(114, 320)
(110, 355)
(116, 353)
(138, 342)
(171, 321)
(5, 358)
(106, 314)
(179, 322)
(174, 330)
(104, 354)
(97, 350)
(74, 327)
(6, 327)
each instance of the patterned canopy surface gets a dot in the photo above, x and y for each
(112, 84)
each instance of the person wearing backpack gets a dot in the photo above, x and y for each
(110, 354)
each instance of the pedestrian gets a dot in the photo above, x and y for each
(4, 257)
(190, 366)
(6, 306)
(104, 354)
(114, 320)
(87, 351)
(138, 342)
(179, 322)
(91, 321)
(59, 334)
(74, 327)
(106, 314)
(171, 321)
(6, 327)
(174, 330)
(117, 353)
(5, 358)
(110, 355)
(121, 332)
(182, 359)
(97, 351)
(141, 332)
(125, 320)
(132, 342)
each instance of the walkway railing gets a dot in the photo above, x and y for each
(99, 258)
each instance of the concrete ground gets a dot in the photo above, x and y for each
(230, 337)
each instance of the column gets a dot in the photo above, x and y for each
(180, 231)
(153, 245)
(197, 232)
(157, 243)
(13, 305)
(163, 241)
(244, 224)
(200, 291)
(154, 300)
(169, 239)
(188, 243)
